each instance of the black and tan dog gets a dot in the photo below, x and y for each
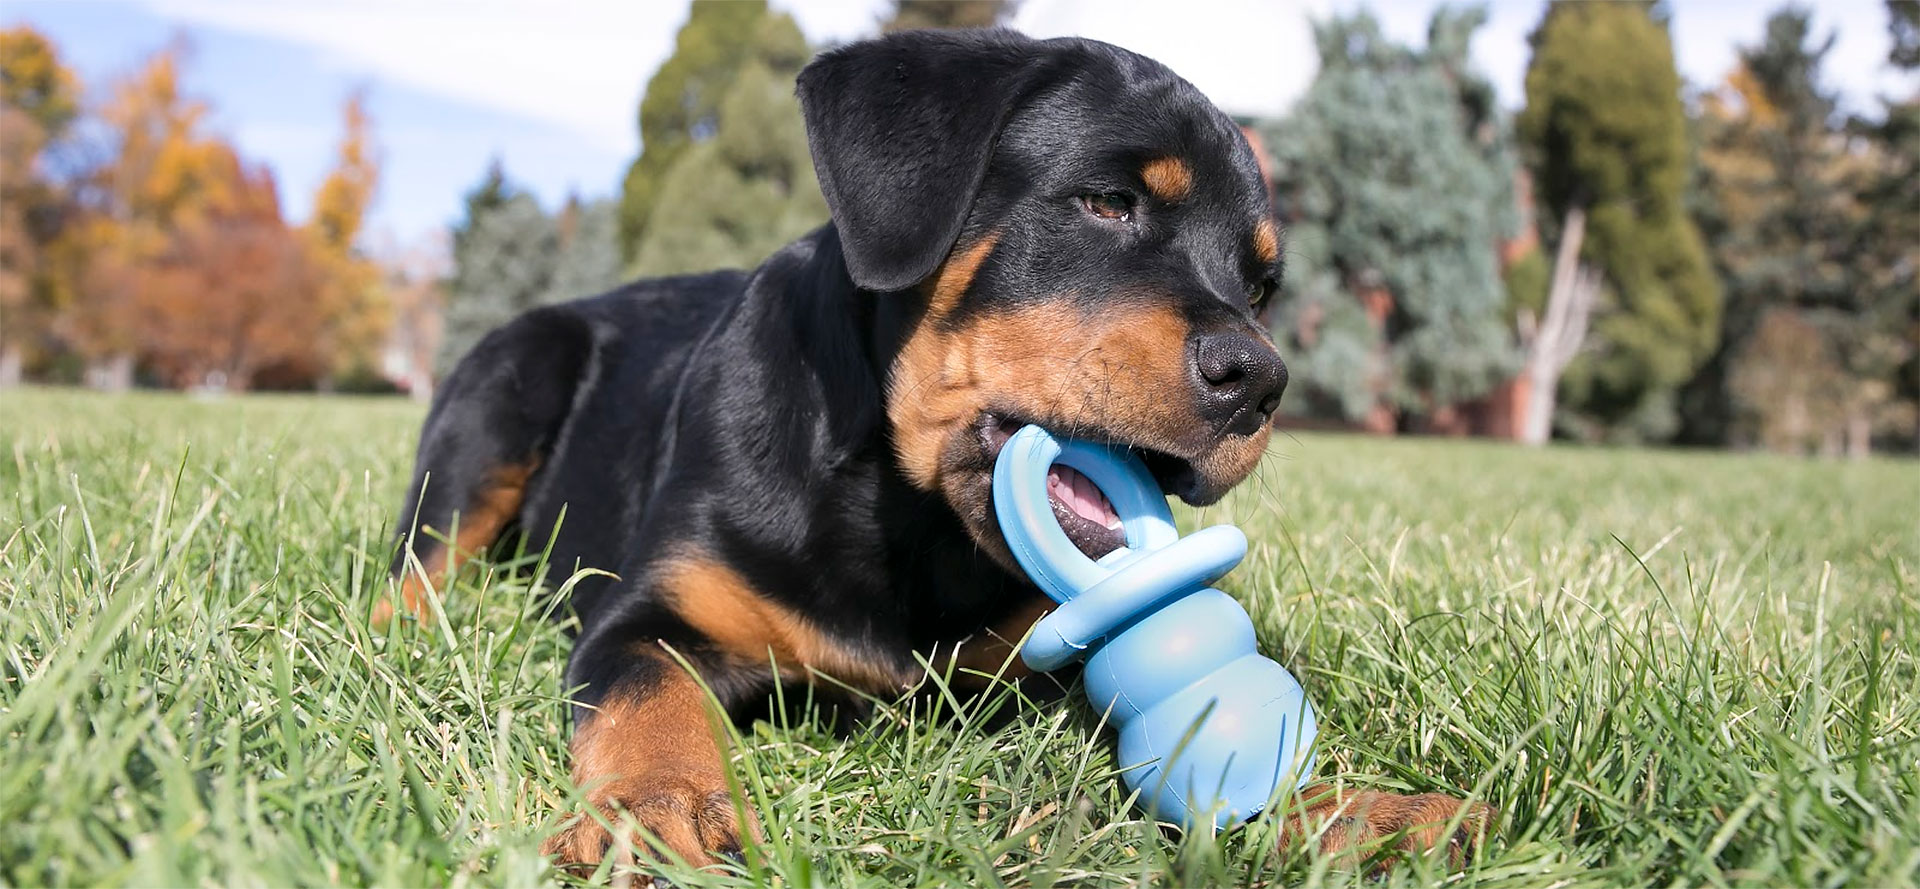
(788, 469)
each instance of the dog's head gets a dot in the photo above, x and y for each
(1078, 239)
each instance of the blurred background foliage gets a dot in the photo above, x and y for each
(1626, 258)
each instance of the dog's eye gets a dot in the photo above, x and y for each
(1110, 205)
(1260, 290)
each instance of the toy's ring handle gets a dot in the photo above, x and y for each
(1059, 568)
(1138, 588)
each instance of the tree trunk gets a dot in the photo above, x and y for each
(420, 383)
(1558, 336)
(111, 374)
(1859, 434)
(13, 364)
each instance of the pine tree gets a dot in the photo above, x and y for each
(589, 259)
(734, 198)
(681, 106)
(1396, 179)
(504, 261)
(488, 195)
(1886, 249)
(1605, 137)
(1778, 216)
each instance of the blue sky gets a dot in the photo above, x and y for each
(551, 86)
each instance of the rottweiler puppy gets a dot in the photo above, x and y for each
(788, 469)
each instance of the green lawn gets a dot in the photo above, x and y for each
(1665, 668)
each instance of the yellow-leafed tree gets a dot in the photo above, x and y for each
(353, 310)
(39, 99)
(164, 174)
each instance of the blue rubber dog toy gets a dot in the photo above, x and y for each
(1212, 727)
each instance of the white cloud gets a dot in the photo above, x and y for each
(575, 64)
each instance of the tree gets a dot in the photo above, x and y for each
(1396, 179)
(910, 14)
(1778, 212)
(1886, 249)
(681, 106)
(163, 175)
(233, 291)
(503, 264)
(490, 194)
(39, 100)
(1903, 25)
(353, 312)
(1604, 134)
(588, 262)
(735, 197)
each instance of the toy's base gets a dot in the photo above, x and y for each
(1220, 747)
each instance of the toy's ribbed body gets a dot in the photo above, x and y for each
(1210, 728)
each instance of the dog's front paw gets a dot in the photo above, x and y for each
(1360, 823)
(678, 820)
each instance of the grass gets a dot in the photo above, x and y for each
(1664, 668)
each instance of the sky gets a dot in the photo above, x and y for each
(551, 87)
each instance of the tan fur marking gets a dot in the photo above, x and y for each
(955, 275)
(656, 752)
(480, 521)
(1266, 241)
(1168, 178)
(714, 599)
(1117, 368)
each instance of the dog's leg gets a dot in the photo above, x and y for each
(1362, 821)
(491, 425)
(652, 748)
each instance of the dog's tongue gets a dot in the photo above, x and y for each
(1078, 494)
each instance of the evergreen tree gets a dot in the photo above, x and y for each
(504, 261)
(1779, 214)
(1903, 25)
(681, 107)
(589, 259)
(1886, 254)
(490, 194)
(732, 199)
(1396, 179)
(1605, 137)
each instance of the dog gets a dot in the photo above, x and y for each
(787, 471)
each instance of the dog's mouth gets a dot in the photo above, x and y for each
(1081, 508)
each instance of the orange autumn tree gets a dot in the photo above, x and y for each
(234, 292)
(162, 174)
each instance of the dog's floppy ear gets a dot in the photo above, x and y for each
(901, 128)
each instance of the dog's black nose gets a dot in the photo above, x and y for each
(1240, 380)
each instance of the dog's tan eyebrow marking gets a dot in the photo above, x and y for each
(1266, 241)
(1168, 178)
(955, 275)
